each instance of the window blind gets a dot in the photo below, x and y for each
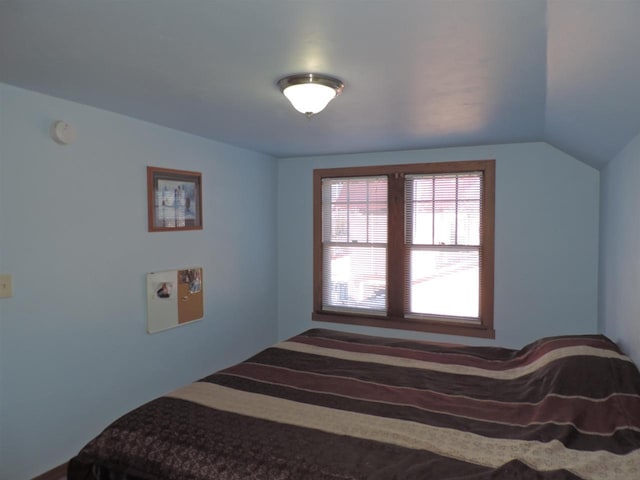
(443, 241)
(354, 244)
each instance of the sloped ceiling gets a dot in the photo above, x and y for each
(418, 73)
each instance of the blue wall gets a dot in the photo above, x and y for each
(74, 352)
(620, 250)
(546, 250)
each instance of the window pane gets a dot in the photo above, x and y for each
(377, 227)
(444, 282)
(444, 223)
(469, 222)
(338, 224)
(354, 210)
(357, 190)
(443, 209)
(469, 187)
(422, 188)
(358, 222)
(355, 277)
(444, 188)
(422, 223)
(334, 189)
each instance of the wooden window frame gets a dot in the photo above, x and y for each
(397, 252)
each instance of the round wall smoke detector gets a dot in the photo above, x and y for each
(63, 133)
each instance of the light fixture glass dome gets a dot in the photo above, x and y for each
(310, 93)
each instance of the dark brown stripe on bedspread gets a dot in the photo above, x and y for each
(167, 439)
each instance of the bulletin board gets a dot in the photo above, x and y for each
(174, 298)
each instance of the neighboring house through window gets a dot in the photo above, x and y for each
(406, 246)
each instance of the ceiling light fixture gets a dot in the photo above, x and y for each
(309, 93)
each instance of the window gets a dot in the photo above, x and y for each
(406, 246)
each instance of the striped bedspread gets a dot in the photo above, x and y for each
(332, 405)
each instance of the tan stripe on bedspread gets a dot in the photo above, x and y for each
(457, 444)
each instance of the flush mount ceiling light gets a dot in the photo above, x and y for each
(309, 93)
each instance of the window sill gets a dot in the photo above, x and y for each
(432, 326)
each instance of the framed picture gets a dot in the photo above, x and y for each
(174, 199)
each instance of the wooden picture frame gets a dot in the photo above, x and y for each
(174, 199)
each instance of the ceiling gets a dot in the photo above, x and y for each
(417, 73)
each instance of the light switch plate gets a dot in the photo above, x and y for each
(6, 288)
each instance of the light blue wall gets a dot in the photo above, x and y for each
(546, 249)
(620, 250)
(74, 353)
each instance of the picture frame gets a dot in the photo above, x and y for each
(174, 200)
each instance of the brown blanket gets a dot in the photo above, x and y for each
(331, 405)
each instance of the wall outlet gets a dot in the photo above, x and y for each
(6, 288)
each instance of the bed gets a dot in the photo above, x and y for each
(332, 405)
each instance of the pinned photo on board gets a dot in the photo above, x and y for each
(164, 289)
(193, 278)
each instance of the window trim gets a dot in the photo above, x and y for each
(396, 257)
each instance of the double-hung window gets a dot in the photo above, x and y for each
(406, 246)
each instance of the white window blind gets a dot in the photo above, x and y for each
(442, 234)
(354, 244)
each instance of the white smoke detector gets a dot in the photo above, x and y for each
(63, 133)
